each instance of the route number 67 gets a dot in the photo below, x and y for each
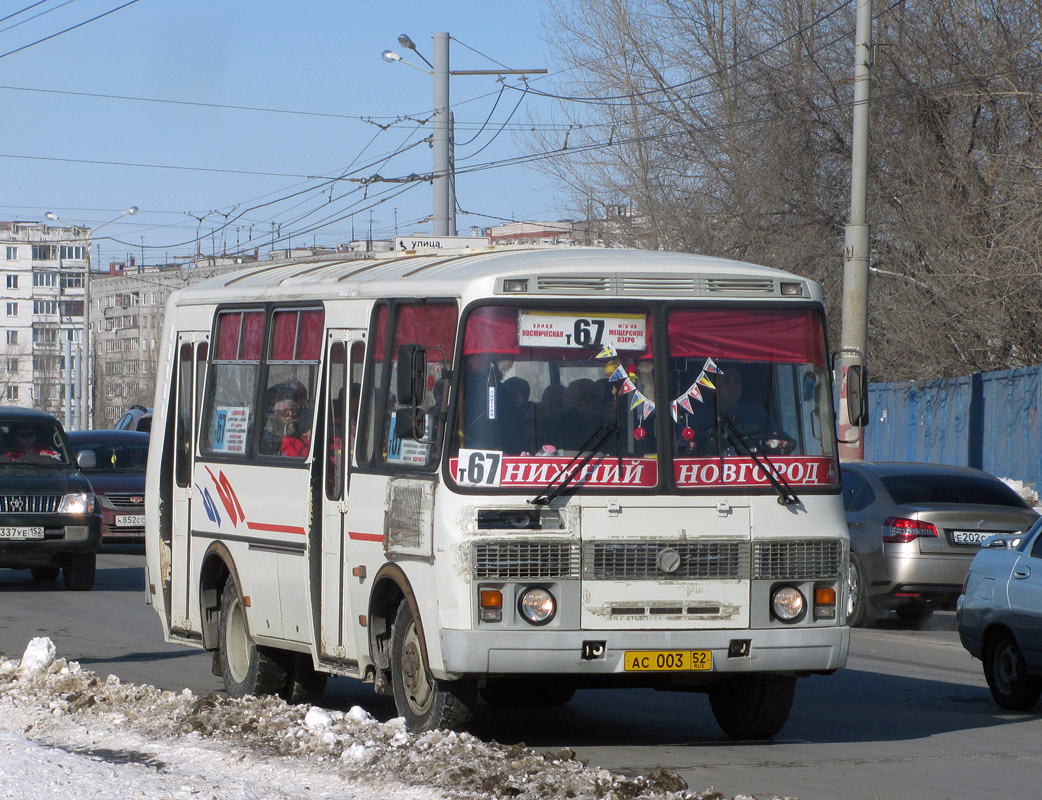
(478, 467)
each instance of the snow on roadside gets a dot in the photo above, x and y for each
(68, 732)
(1029, 494)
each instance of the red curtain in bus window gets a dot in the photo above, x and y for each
(491, 329)
(228, 336)
(253, 336)
(432, 325)
(747, 334)
(380, 334)
(284, 336)
(310, 348)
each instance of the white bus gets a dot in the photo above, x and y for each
(506, 474)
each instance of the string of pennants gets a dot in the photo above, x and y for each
(695, 389)
(646, 406)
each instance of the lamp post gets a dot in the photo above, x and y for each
(444, 175)
(86, 374)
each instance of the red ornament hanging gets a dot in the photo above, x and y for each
(639, 433)
(687, 434)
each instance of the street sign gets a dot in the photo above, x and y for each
(404, 243)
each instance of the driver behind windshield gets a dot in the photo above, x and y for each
(26, 440)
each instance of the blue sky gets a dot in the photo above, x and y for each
(321, 57)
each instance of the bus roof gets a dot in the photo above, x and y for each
(588, 271)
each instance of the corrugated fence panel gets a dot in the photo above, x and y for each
(988, 420)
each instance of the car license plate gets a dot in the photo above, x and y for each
(668, 660)
(127, 520)
(970, 537)
(21, 533)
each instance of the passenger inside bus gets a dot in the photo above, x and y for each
(283, 433)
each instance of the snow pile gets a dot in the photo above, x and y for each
(79, 736)
(1029, 494)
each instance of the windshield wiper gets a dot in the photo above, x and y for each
(586, 453)
(740, 438)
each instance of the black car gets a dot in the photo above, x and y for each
(49, 516)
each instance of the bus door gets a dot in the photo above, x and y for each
(191, 367)
(345, 353)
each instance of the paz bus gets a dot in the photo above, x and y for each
(505, 474)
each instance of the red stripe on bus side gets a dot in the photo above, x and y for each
(366, 537)
(260, 526)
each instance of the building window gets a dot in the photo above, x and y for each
(12, 365)
(12, 281)
(45, 335)
(45, 252)
(43, 307)
(12, 309)
(12, 253)
(11, 392)
(72, 281)
(12, 337)
(45, 278)
(71, 251)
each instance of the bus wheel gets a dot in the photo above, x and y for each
(304, 683)
(247, 668)
(752, 706)
(425, 702)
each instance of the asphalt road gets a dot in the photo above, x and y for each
(910, 716)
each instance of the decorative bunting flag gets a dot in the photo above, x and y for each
(695, 392)
(638, 398)
(619, 374)
(608, 351)
(649, 406)
(627, 386)
(704, 381)
(710, 366)
(685, 403)
(673, 410)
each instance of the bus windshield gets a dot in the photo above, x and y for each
(735, 392)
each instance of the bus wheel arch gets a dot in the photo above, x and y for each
(217, 565)
(391, 588)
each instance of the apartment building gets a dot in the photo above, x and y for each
(42, 354)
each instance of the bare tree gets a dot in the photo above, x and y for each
(726, 127)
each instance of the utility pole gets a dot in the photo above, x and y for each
(854, 334)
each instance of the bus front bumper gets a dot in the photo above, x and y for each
(818, 649)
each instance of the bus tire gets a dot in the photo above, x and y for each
(304, 683)
(78, 571)
(752, 706)
(426, 703)
(247, 669)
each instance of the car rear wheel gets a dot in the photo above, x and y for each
(1011, 686)
(78, 571)
(857, 593)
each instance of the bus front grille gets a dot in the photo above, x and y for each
(525, 560)
(797, 559)
(657, 559)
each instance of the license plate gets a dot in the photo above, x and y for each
(21, 533)
(127, 520)
(970, 537)
(668, 660)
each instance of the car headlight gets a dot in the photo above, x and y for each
(77, 503)
(537, 606)
(788, 603)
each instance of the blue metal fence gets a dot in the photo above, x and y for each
(988, 420)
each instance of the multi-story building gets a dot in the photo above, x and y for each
(42, 357)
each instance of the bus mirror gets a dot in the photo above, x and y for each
(857, 395)
(412, 375)
(409, 423)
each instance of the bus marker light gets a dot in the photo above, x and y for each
(246, 601)
(824, 602)
(491, 602)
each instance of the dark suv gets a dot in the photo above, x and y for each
(49, 517)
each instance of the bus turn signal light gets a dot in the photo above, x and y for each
(824, 602)
(491, 605)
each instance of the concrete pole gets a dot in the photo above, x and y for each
(68, 379)
(444, 208)
(856, 239)
(85, 383)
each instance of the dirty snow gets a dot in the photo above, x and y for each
(1029, 494)
(66, 732)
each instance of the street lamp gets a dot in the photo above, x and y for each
(85, 375)
(444, 178)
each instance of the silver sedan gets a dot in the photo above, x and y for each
(914, 528)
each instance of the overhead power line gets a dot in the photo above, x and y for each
(66, 30)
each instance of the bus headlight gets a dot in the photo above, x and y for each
(78, 503)
(537, 606)
(788, 603)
